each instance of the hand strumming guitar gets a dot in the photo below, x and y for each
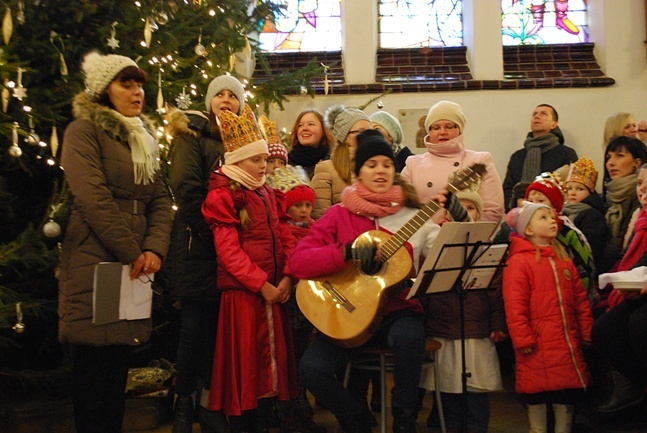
(367, 254)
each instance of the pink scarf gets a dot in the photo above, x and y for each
(361, 201)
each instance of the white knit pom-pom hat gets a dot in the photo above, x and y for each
(100, 70)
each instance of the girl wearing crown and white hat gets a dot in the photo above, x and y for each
(189, 274)
(446, 154)
(120, 213)
(253, 358)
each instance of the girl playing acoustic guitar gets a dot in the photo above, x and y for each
(379, 200)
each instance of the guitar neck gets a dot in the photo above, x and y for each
(406, 231)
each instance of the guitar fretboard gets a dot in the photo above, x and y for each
(406, 231)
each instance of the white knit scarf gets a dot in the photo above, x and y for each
(143, 150)
(236, 173)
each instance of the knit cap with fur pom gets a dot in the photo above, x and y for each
(225, 82)
(340, 119)
(446, 110)
(100, 70)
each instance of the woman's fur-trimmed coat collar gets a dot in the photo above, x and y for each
(84, 106)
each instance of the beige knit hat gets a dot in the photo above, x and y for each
(446, 110)
(100, 70)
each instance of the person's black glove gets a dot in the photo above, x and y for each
(366, 255)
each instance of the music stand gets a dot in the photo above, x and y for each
(463, 260)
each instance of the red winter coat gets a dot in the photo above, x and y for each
(253, 356)
(546, 309)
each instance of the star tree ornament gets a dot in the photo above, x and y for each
(183, 100)
(112, 41)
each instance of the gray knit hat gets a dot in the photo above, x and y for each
(100, 70)
(225, 82)
(390, 123)
(340, 119)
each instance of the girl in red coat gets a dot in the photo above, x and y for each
(548, 316)
(253, 356)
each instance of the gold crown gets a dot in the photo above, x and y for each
(238, 131)
(583, 171)
(269, 130)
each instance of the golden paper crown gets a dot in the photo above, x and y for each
(583, 171)
(269, 130)
(238, 131)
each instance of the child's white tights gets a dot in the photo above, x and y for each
(563, 418)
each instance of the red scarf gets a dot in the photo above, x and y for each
(361, 201)
(638, 244)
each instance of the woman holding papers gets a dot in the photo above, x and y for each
(120, 213)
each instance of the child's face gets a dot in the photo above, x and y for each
(471, 209)
(576, 192)
(273, 164)
(539, 197)
(254, 165)
(542, 228)
(300, 211)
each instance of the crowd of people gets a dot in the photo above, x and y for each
(254, 216)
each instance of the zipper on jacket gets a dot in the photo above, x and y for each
(564, 322)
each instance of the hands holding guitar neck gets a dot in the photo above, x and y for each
(280, 293)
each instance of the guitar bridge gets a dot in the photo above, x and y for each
(338, 297)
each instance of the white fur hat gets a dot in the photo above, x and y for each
(100, 70)
(225, 82)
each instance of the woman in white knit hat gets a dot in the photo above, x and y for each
(333, 175)
(189, 276)
(446, 154)
(391, 130)
(120, 213)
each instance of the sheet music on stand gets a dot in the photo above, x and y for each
(445, 263)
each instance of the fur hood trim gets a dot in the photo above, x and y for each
(85, 107)
(184, 122)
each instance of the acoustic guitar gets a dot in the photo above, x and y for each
(347, 305)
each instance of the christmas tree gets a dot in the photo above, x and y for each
(181, 44)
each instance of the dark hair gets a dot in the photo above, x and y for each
(555, 115)
(632, 145)
(128, 73)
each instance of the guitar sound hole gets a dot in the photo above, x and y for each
(371, 268)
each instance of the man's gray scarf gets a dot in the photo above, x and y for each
(534, 148)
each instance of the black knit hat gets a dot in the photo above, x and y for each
(369, 144)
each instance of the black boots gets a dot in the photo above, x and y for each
(404, 420)
(616, 392)
(183, 415)
(212, 421)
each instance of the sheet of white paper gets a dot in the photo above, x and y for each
(136, 297)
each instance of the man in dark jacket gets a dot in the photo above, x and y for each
(543, 151)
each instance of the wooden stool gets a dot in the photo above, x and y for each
(381, 359)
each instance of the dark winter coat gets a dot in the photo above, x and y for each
(401, 158)
(190, 268)
(112, 220)
(547, 310)
(592, 224)
(552, 160)
(483, 310)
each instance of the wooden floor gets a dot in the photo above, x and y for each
(508, 415)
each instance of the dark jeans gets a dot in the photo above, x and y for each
(99, 394)
(620, 335)
(196, 346)
(478, 410)
(405, 335)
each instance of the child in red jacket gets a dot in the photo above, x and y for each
(253, 357)
(548, 316)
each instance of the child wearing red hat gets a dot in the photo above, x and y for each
(548, 189)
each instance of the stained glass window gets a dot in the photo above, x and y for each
(420, 23)
(534, 22)
(304, 25)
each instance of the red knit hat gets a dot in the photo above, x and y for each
(299, 193)
(551, 189)
(277, 151)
